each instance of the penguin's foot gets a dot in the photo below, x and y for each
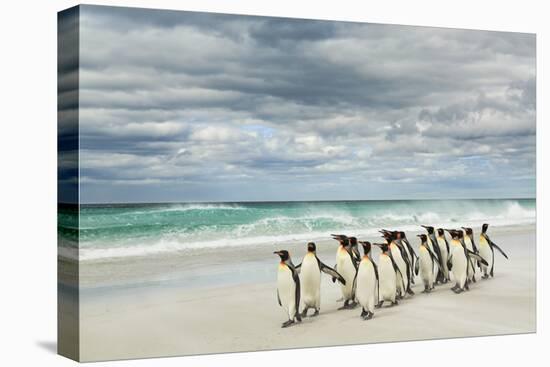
(410, 292)
(395, 303)
(485, 276)
(345, 306)
(287, 323)
(298, 317)
(466, 287)
(364, 313)
(458, 290)
(455, 288)
(304, 312)
(399, 296)
(316, 313)
(379, 305)
(474, 279)
(367, 316)
(445, 281)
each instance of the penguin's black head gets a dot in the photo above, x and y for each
(484, 227)
(311, 247)
(440, 232)
(402, 234)
(342, 239)
(423, 237)
(460, 233)
(453, 233)
(383, 246)
(430, 229)
(468, 230)
(397, 235)
(352, 241)
(366, 246)
(388, 236)
(283, 254)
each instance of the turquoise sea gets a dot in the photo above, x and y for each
(124, 230)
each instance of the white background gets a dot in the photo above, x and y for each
(28, 180)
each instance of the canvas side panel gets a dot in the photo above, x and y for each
(68, 340)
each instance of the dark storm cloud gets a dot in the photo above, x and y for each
(171, 100)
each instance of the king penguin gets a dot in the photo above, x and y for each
(310, 276)
(486, 250)
(346, 265)
(432, 242)
(397, 256)
(471, 246)
(426, 264)
(366, 281)
(387, 276)
(288, 288)
(413, 256)
(444, 250)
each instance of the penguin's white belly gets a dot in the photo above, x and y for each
(366, 285)
(347, 270)
(426, 267)
(310, 277)
(387, 279)
(486, 253)
(459, 264)
(287, 290)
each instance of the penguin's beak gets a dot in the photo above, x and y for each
(418, 235)
(277, 252)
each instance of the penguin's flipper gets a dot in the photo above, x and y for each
(498, 248)
(279, 298)
(356, 254)
(332, 272)
(298, 268)
(477, 257)
(297, 298)
(377, 279)
(416, 268)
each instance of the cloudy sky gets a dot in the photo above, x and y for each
(180, 106)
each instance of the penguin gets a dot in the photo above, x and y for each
(403, 284)
(459, 258)
(425, 264)
(486, 250)
(459, 262)
(387, 276)
(432, 242)
(413, 256)
(367, 284)
(288, 288)
(471, 246)
(310, 276)
(346, 266)
(397, 237)
(444, 250)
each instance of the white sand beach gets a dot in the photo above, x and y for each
(186, 319)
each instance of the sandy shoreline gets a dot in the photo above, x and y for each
(245, 316)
